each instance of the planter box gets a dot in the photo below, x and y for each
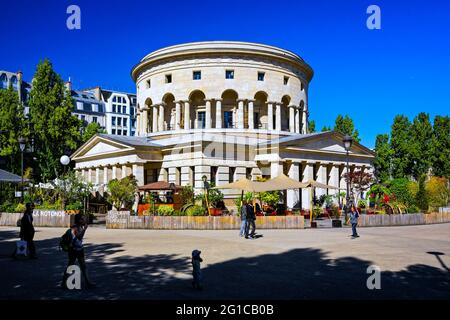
(313, 224)
(123, 220)
(336, 223)
(41, 218)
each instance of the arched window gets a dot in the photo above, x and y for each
(3, 81)
(14, 82)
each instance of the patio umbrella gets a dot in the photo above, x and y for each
(282, 182)
(314, 184)
(244, 185)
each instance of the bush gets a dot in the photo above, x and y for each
(437, 192)
(122, 192)
(187, 195)
(413, 209)
(401, 188)
(195, 211)
(165, 211)
(215, 198)
(20, 207)
(8, 206)
(421, 196)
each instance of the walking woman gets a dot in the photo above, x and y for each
(354, 215)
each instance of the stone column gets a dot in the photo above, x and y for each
(270, 116)
(138, 172)
(138, 125)
(276, 168)
(333, 179)
(278, 117)
(161, 117)
(251, 121)
(97, 176)
(322, 178)
(89, 179)
(144, 124)
(114, 172)
(304, 122)
(124, 171)
(308, 174)
(208, 114)
(240, 114)
(177, 115)
(83, 174)
(293, 196)
(185, 176)
(155, 118)
(298, 125)
(105, 175)
(218, 113)
(291, 119)
(187, 115)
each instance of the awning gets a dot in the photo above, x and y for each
(6, 176)
(244, 185)
(160, 185)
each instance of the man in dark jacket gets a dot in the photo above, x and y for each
(251, 217)
(243, 218)
(76, 249)
(27, 230)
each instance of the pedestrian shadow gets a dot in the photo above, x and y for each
(306, 273)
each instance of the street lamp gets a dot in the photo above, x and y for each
(22, 145)
(348, 140)
(65, 160)
(206, 187)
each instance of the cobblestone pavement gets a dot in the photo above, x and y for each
(282, 264)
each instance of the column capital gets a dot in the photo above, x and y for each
(218, 99)
(251, 100)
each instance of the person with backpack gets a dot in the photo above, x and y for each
(27, 230)
(72, 242)
(354, 215)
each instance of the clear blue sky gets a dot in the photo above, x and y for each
(370, 75)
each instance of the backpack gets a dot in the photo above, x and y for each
(65, 243)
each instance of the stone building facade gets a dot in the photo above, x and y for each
(224, 110)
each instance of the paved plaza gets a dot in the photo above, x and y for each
(283, 264)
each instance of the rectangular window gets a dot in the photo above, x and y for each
(286, 80)
(229, 74)
(114, 108)
(256, 120)
(125, 121)
(228, 119)
(115, 99)
(119, 121)
(83, 118)
(113, 121)
(168, 78)
(94, 119)
(201, 122)
(261, 76)
(124, 109)
(125, 132)
(248, 173)
(197, 75)
(119, 132)
(113, 131)
(213, 175)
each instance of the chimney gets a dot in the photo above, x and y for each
(68, 85)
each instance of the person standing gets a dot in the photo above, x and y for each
(243, 218)
(196, 270)
(354, 215)
(251, 217)
(76, 249)
(27, 230)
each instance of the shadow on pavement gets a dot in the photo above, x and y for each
(295, 274)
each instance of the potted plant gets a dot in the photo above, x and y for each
(315, 213)
(215, 199)
(336, 221)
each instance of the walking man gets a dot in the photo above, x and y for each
(354, 215)
(76, 249)
(251, 217)
(243, 218)
(27, 230)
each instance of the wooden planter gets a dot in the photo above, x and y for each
(336, 223)
(215, 212)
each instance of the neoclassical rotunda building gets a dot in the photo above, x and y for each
(224, 110)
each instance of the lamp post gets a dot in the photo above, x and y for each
(348, 140)
(205, 187)
(65, 160)
(22, 145)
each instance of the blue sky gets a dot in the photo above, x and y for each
(372, 75)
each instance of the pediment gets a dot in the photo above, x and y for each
(103, 147)
(99, 146)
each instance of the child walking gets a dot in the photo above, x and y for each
(196, 272)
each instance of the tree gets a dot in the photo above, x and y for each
(311, 126)
(325, 129)
(421, 195)
(441, 147)
(345, 126)
(12, 126)
(437, 192)
(382, 162)
(420, 145)
(359, 181)
(400, 130)
(122, 192)
(91, 130)
(54, 129)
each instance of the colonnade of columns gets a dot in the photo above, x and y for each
(244, 115)
(103, 174)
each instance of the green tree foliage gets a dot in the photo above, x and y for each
(325, 129)
(311, 126)
(382, 160)
(53, 127)
(400, 189)
(401, 165)
(421, 195)
(420, 145)
(438, 192)
(91, 130)
(122, 192)
(12, 126)
(345, 125)
(441, 146)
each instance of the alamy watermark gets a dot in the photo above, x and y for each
(73, 280)
(374, 20)
(73, 21)
(374, 280)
